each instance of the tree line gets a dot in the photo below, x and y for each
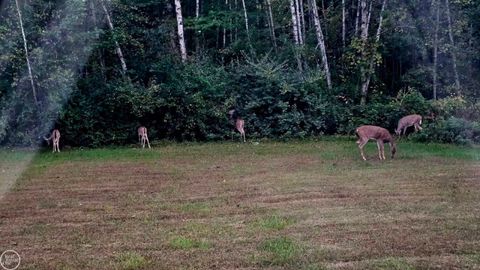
(98, 69)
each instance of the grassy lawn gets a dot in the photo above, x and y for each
(275, 205)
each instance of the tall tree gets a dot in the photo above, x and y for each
(454, 57)
(181, 36)
(294, 22)
(371, 64)
(245, 16)
(29, 66)
(117, 46)
(343, 24)
(271, 24)
(321, 43)
(435, 49)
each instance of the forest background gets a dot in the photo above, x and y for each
(98, 69)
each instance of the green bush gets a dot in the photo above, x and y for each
(451, 130)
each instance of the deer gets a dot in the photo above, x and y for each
(381, 135)
(408, 121)
(55, 138)
(238, 122)
(143, 137)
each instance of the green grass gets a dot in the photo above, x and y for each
(185, 243)
(282, 251)
(131, 261)
(391, 264)
(274, 222)
(195, 207)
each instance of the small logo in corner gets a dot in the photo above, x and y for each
(10, 259)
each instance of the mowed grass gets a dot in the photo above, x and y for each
(276, 205)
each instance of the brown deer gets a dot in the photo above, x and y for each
(239, 123)
(381, 135)
(55, 137)
(408, 121)
(143, 137)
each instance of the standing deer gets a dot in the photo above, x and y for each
(55, 137)
(143, 137)
(381, 135)
(408, 121)
(239, 123)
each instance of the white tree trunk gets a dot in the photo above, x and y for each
(454, 58)
(246, 19)
(29, 66)
(357, 17)
(343, 23)
(364, 21)
(294, 22)
(435, 50)
(299, 22)
(302, 19)
(224, 43)
(197, 8)
(181, 38)
(117, 46)
(366, 75)
(369, 14)
(271, 24)
(321, 43)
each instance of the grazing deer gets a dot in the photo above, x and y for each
(55, 137)
(381, 135)
(143, 137)
(408, 121)
(239, 123)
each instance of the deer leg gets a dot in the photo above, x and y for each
(383, 150)
(146, 137)
(242, 134)
(379, 148)
(361, 144)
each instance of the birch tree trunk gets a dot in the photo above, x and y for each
(364, 21)
(368, 73)
(454, 58)
(271, 24)
(246, 20)
(29, 66)
(299, 22)
(181, 38)
(197, 8)
(117, 46)
(302, 20)
(196, 34)
(321, 43)
(225, 30)
(343, 24)
(294, 22)
(295, 34)
(435, 50)
(369, 14)
(357, 17)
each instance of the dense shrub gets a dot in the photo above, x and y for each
(275, 103)
(450, 130)
(385, 112)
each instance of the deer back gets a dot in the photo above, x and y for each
(374, 132)
(409, 120)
